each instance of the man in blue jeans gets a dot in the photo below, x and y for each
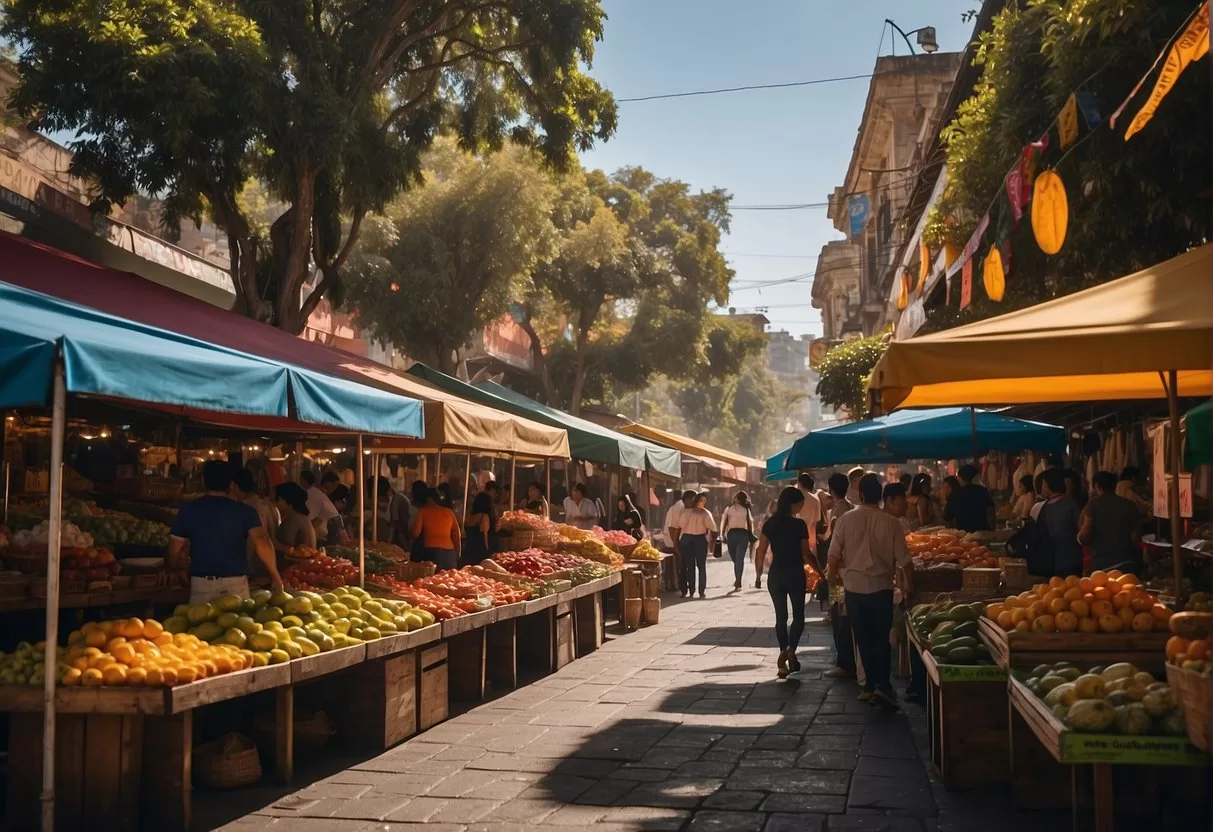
(867, 548)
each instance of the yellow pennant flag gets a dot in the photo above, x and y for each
(1192, 45)
(1067, 122)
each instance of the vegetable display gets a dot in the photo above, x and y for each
(536, 563)
(1189, 647)
(1105, 602)
(523, 521)
(320, 573)
(1117, 699)
(645, 551)
(949, 546)
(949, 632)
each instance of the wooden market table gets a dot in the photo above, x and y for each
(966, 720)
(1038, 738)
(1026, 650)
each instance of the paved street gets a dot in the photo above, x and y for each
(680, 726)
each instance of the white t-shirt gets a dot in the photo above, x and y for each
(734, 517)
(583, 515)
(319, 506)
(673, 520)
(810, 513)
(697, 521)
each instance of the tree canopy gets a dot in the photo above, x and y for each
(1131, 204)
(744, 411)
(844, 372)
(330, 103)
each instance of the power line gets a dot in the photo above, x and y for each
(747, 88)
(776, 256)
(789, 207)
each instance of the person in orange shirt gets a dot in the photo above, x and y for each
(437, 527)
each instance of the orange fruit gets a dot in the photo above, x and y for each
(1018, 615)
(1023, 627)
(1073, 594)
(1026, 598)
(152, 628)
(136, 676)
(132, 628)
(1067, 622)
(155, 677)
(1126, 615)
(124, 653)
(80, 664)
(1057, 582)
(1101, 608)
(114, 674)
(71, 677)
(1103, 593)
(1114, 575)
(1037, 609)
(168, 675)
(107, 627)
(1128, 581)
(1111, 623)
(1072, 581)
(1044, 624)
(1058, 605)
(1141, 602)
(1086, 585)
(95, 638)
(1099, 578)
(186, 674)
(1088, 625)
(91, 678)
(99, 662)
(1176, 646)
(1080, 608)
(1198, 650)
(1012, 601)
(1122, 599)
(1006, 619)
(994, 610)
(1053, 595)
(163, 639)
(1142, 622)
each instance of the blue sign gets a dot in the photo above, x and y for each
(859, 207)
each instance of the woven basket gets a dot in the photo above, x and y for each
(227, 763)
(1015, 573)
(983, 580)
(37, 588)
(1194, 694)
(149, 581)
(938, 580)
(29, 564)
(411, 570)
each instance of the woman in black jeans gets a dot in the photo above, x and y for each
(787, 538)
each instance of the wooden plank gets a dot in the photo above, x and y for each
(130, 761)
(502, 654)
(102, 739)
(321, 664)
(70, 772)
(401, 642)
(507, 612)
(467, 623)
(22, 806)
(1038, 781)
(1104, 807)
(433, 696)
(104, 700)
(564, 651)
(381, 703)
(588, 623)
(168, 748)
(284, 733)
(539, 604)
(228, 686)
(536, 640)
(467, 665)
(1016, 649)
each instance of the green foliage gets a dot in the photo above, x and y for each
(844, 372)
(447, 258)
(744, 411)
(1132, 203)
(330, 103)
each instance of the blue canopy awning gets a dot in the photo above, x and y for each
(775, 467)
(938, 433)
(107, 355)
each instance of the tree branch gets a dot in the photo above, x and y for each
(351, 238)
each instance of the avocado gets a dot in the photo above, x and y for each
(964, 642)
(965, 628)
(961, 655)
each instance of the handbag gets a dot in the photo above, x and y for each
(749, 527)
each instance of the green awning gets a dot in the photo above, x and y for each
(1199, 449)
(587, 440)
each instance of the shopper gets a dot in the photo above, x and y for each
(1025, 498)
(971, 509)
(785, 543)
(627, 518)
(493, 489)
(319, 507)
(221, 535)
(244, 489)
(947, 489)
(1056, 550)
(810, 512)
(1074, 489)
(840, 624)
(478, 531)
(868, 548)
(296, 528)
(853, 477)
(1110, 525)
(772, 507)
(737, 528)
(537, 500)
(921, 506)
(895, 502)
(579, 509)
(697, 535)
(437, 530)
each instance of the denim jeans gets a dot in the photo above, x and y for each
(871, 616)
(739, 546)
(787, 588)
(694, 554)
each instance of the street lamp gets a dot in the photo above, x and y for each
(926, 37)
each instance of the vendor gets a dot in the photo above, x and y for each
(296, 528)
(221, 534)
(579, 510)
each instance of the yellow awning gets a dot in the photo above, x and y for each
(1107, 342)
(691, 446)
(455, 423)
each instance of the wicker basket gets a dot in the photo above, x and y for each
(229, 762)
(977, 579)
(938, 580)
(27, 563)
(411, 570)
(37, 588)
(518, 539)
(1015, 573)
(1194, 694)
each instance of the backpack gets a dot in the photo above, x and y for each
(1032, 543)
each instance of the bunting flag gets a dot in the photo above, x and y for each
(970, 247)
(1088, 105)
(966, 284)
(1192, 45)
(1067, 122)
(924, 265)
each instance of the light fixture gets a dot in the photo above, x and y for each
(925, 37)
(338, 450)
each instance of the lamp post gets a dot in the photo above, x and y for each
(926, 37)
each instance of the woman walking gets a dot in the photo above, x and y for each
(437, 528)
(695, 541)
(737, 527)
(787, 538)
(758, 561)
(627, 518)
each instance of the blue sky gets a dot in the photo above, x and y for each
(765, 147)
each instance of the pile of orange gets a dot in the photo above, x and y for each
(138, 653)
(1104, 602)
(946, 547)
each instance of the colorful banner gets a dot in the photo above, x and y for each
(859, 207)
(966, 284)
(970, 247)
(1067, 122)
(1192, 45)
(1088, 105)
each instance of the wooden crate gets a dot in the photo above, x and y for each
(535, 638)
(588, 623)
(433, 696)
(382, 702)
(501, 654)
(1194, 693)
(467, 665)
(564, 634)
(98, 768)
(967, 721)
(1026, 650)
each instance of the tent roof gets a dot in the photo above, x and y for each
(691, 446)
(938, 433)
(449, 420)
(1107, 342)
(775, 466)
(587, 440)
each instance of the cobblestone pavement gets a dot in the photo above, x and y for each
(679, 726)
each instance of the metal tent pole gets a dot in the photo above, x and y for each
(467, 486)
(547, 498)
(374, 497)
(1173, 486)
(513, 482)
(50, 657)
(361, 516)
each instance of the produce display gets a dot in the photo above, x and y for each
(34, 540)
(375, 561)
(463, 583)
(106, 527)
(949, 546)
(320, 573)
(1117, 699)
(536, 563)
(587, 572)
(949, 632)
(92, 564)
(1105, 602)
(523, 521)
(1199, 602)
(573, 533)
(442, 607)
(538, 587)
(1189, 647)
(617, 538)
(591, 549)
(645, 551)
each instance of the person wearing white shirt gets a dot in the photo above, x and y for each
(579, 509)
(320, 509)
(810, 513)
(737, 527)
(697, 533)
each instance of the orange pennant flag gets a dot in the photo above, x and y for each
(1192, 45)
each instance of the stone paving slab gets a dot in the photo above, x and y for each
(679, 726)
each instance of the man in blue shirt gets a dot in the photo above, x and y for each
(221, 533)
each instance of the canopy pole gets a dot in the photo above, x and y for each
(50, 657)
(374, 497)
(513, 482)
(467, 486)
(547, 498)
(8, 475)
(1177, 563)
(438, 468)
(973, 429)
(361, 516)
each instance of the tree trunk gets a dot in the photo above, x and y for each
(578, 370)
(539, 361)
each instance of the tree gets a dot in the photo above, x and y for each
(1131, 204)
(844, 372)
(743, 412)
(330, 103)
(447, 258)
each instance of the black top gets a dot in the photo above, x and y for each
(217, 529)
(630, 522)
(968, 508)
(1058, 521)
(1114, 520)
(785, 534)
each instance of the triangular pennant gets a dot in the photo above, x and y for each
(1067, 122)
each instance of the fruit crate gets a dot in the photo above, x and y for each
(1194, 694)
(1017, 649)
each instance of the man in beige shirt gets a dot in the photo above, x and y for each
(867, 547)
(811, 513)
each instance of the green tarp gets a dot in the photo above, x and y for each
(1199, 448)
(587, 440)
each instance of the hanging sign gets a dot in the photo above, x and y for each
(1192, 45)
(1088, 105)
(859, 206)
(966, 284)
(970, 248)
(1050, 212)
(1067, 122)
